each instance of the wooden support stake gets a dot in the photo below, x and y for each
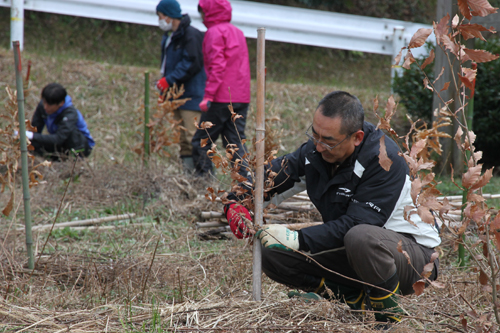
(260, 130)
(85, 222)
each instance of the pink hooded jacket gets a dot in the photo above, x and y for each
(225, 55)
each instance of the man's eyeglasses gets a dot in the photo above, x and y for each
(315, 141)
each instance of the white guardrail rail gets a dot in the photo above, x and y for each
(282, 23)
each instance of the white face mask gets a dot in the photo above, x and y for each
(164, 25)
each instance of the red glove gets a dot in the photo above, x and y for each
(162, 84)
(234, 214)
(205, 104)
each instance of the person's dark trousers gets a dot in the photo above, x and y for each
(370, 255)
(231, 132)
(56, 153)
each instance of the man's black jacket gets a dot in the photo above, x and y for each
(360, 192)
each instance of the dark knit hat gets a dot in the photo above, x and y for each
(170, 8)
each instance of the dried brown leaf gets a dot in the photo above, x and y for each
(417, 147)
(203, 142)
(451, 45)
(463, 6)
(397, 59)
(428, 268)
(400, 247)
(416, 187)
(483, 278)
(458, 136)
(445, 86)
(455, 21)
(471, 176)
(8, 208)
(473, 30)
(418, 39)
(483, 180)
(384, 160)
(439, 75)
(419, 287)
(425, 214)
(481, 8)
(409, 59)
(429, 59)
(441, 29)
(480, 55)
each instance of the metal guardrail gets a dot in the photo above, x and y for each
(282, 23)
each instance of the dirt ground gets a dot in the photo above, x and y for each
(152, 272)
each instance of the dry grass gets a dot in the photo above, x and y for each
(161, 277)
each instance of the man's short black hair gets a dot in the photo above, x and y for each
(54, 93)
(347, 107)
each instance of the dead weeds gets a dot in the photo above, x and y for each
(160, 277)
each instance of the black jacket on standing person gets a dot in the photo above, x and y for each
(182, 62)
(66, 137)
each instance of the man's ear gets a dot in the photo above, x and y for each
(358, 137)
(61, 104)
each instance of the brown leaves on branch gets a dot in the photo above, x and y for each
(10, 150)
(232, 162)
(480, 55)
(473, 30)
(164, 128)
(470, 8)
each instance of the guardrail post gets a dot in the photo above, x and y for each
(398, 42)
(17, 23)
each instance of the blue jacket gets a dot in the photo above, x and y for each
(67, 128)
(182, 62)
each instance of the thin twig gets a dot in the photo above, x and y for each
(150, 265)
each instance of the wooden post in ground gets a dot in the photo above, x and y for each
(260, 132)
(24, 152)
(146, 117)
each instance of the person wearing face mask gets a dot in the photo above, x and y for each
(225, 55)
(182, 64)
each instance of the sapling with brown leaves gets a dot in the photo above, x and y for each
(450, 37)
(164, 129)
(10, 150)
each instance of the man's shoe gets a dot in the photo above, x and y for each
(307, 297)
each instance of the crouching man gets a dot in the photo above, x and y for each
(67, 130)
(362, 207)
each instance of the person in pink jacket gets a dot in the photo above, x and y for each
(225, 56)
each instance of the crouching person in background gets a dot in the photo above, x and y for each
(67, 130)
(353, 256)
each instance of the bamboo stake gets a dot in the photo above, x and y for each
(85, 222)
(146, 117)
(260, 130)
(24, 153)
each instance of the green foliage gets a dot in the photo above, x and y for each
(418, 100)
(487, 105)
(65, 234)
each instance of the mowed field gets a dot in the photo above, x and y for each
(152, 272)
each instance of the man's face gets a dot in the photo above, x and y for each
(328, 130)
(51, 108)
